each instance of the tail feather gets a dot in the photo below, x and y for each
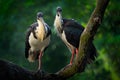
(33, 56)
(92, 53)
(31, 59)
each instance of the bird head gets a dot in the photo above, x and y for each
(39, 15)
(40, 18)
(59, 11)
(58, 19)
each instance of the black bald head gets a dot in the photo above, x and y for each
(39, 15)
(59, 9)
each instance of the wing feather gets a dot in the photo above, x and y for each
(72, 31)
(29, 30)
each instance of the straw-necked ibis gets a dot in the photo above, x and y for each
(37, 39)
(70, 31)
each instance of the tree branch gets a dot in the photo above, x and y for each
(10, 71)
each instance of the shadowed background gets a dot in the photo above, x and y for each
(16, 16)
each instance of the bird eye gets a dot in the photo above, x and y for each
(58, 14)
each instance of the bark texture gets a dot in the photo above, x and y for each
(10, 71)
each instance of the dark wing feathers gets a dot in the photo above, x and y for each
(29, 30)
(72, 23)
(27, 45)
(72, 31)
(33, 27)
(48, 30)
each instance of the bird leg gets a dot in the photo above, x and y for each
(72, 57)
(76, 51)
(39, 59)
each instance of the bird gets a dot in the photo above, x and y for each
(37, 39)
(69, 30)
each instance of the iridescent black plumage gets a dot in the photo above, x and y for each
(72, 31)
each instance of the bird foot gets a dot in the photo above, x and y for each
(70, 64)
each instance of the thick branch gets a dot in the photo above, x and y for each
(9, 71)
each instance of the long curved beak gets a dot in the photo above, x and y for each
(59, 13)
(39, 18)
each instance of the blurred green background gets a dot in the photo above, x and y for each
(16, 16)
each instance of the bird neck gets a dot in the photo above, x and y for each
(58, 23)
(40, 30)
